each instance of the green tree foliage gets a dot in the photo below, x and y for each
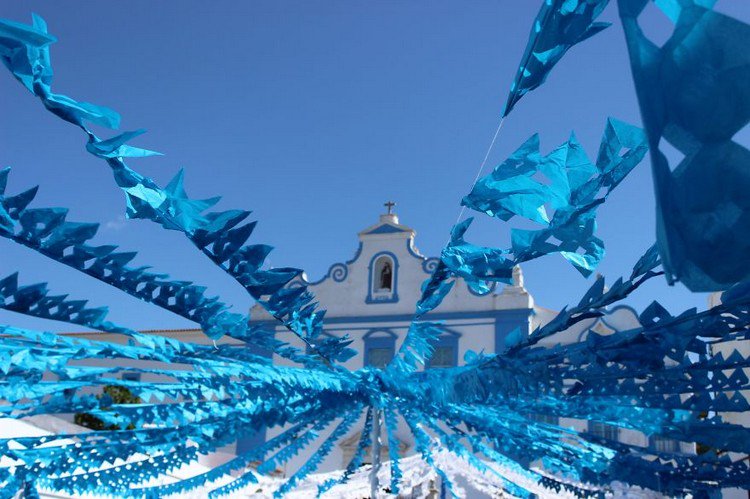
(119, 395)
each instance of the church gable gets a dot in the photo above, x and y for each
(385, 228)
(385, 275)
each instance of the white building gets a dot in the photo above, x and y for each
(372, 296)
(738, 418)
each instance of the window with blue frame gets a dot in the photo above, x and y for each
(544, 418)
(131, 376)
(604, 430)
(663, 444)
(380, 347)
(443, 356)
(445, 352)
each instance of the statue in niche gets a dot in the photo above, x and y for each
(386, 277)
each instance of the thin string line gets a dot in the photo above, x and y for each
(481, 168)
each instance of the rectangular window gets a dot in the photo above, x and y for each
(604, 430)
(379, 357)
(131, 376)
(544, 418)
(443, 356)
(662, 444)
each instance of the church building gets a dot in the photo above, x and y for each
(372, 296)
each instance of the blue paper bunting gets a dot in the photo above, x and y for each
(693, 94)
(666, 377)
(558, 26)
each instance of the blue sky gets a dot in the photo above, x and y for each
(313, 114)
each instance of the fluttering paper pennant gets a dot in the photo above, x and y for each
(529, 185)
(558, 26)
(694, 94)
(663, 378)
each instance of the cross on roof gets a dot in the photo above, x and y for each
(389, 205)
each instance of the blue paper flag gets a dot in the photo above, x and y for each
(499, 412)
(558, 26)
(694, 94)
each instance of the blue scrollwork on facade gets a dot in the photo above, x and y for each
(338, 272)
(430, 264)
(356, 254)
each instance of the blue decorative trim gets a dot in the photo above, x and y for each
(477, 314)
(607, 324)
(412, 251)
(385, 228)
(429, 265)
(378, 338)
(393, 298)
(626, 307)
(493, 286)
(405, 327)
(388, 333)
(356, 254)
(315, 283)
(449, 338)
(338, 272)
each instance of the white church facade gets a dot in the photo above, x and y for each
(372, 296)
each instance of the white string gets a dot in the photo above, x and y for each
(481, 166)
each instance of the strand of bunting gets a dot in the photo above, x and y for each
(220, 235)
(694, 94)
(47, 231)
(209, 406)
(559, 25)
(531, 186)
(675, 378)
(663, 378)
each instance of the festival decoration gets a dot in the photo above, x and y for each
(663, 378)
(558, 26)
(694, 95)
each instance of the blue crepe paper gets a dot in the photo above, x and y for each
(558, 26)
(661, 378)
(694, 94)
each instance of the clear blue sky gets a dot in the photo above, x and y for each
(313, 114)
